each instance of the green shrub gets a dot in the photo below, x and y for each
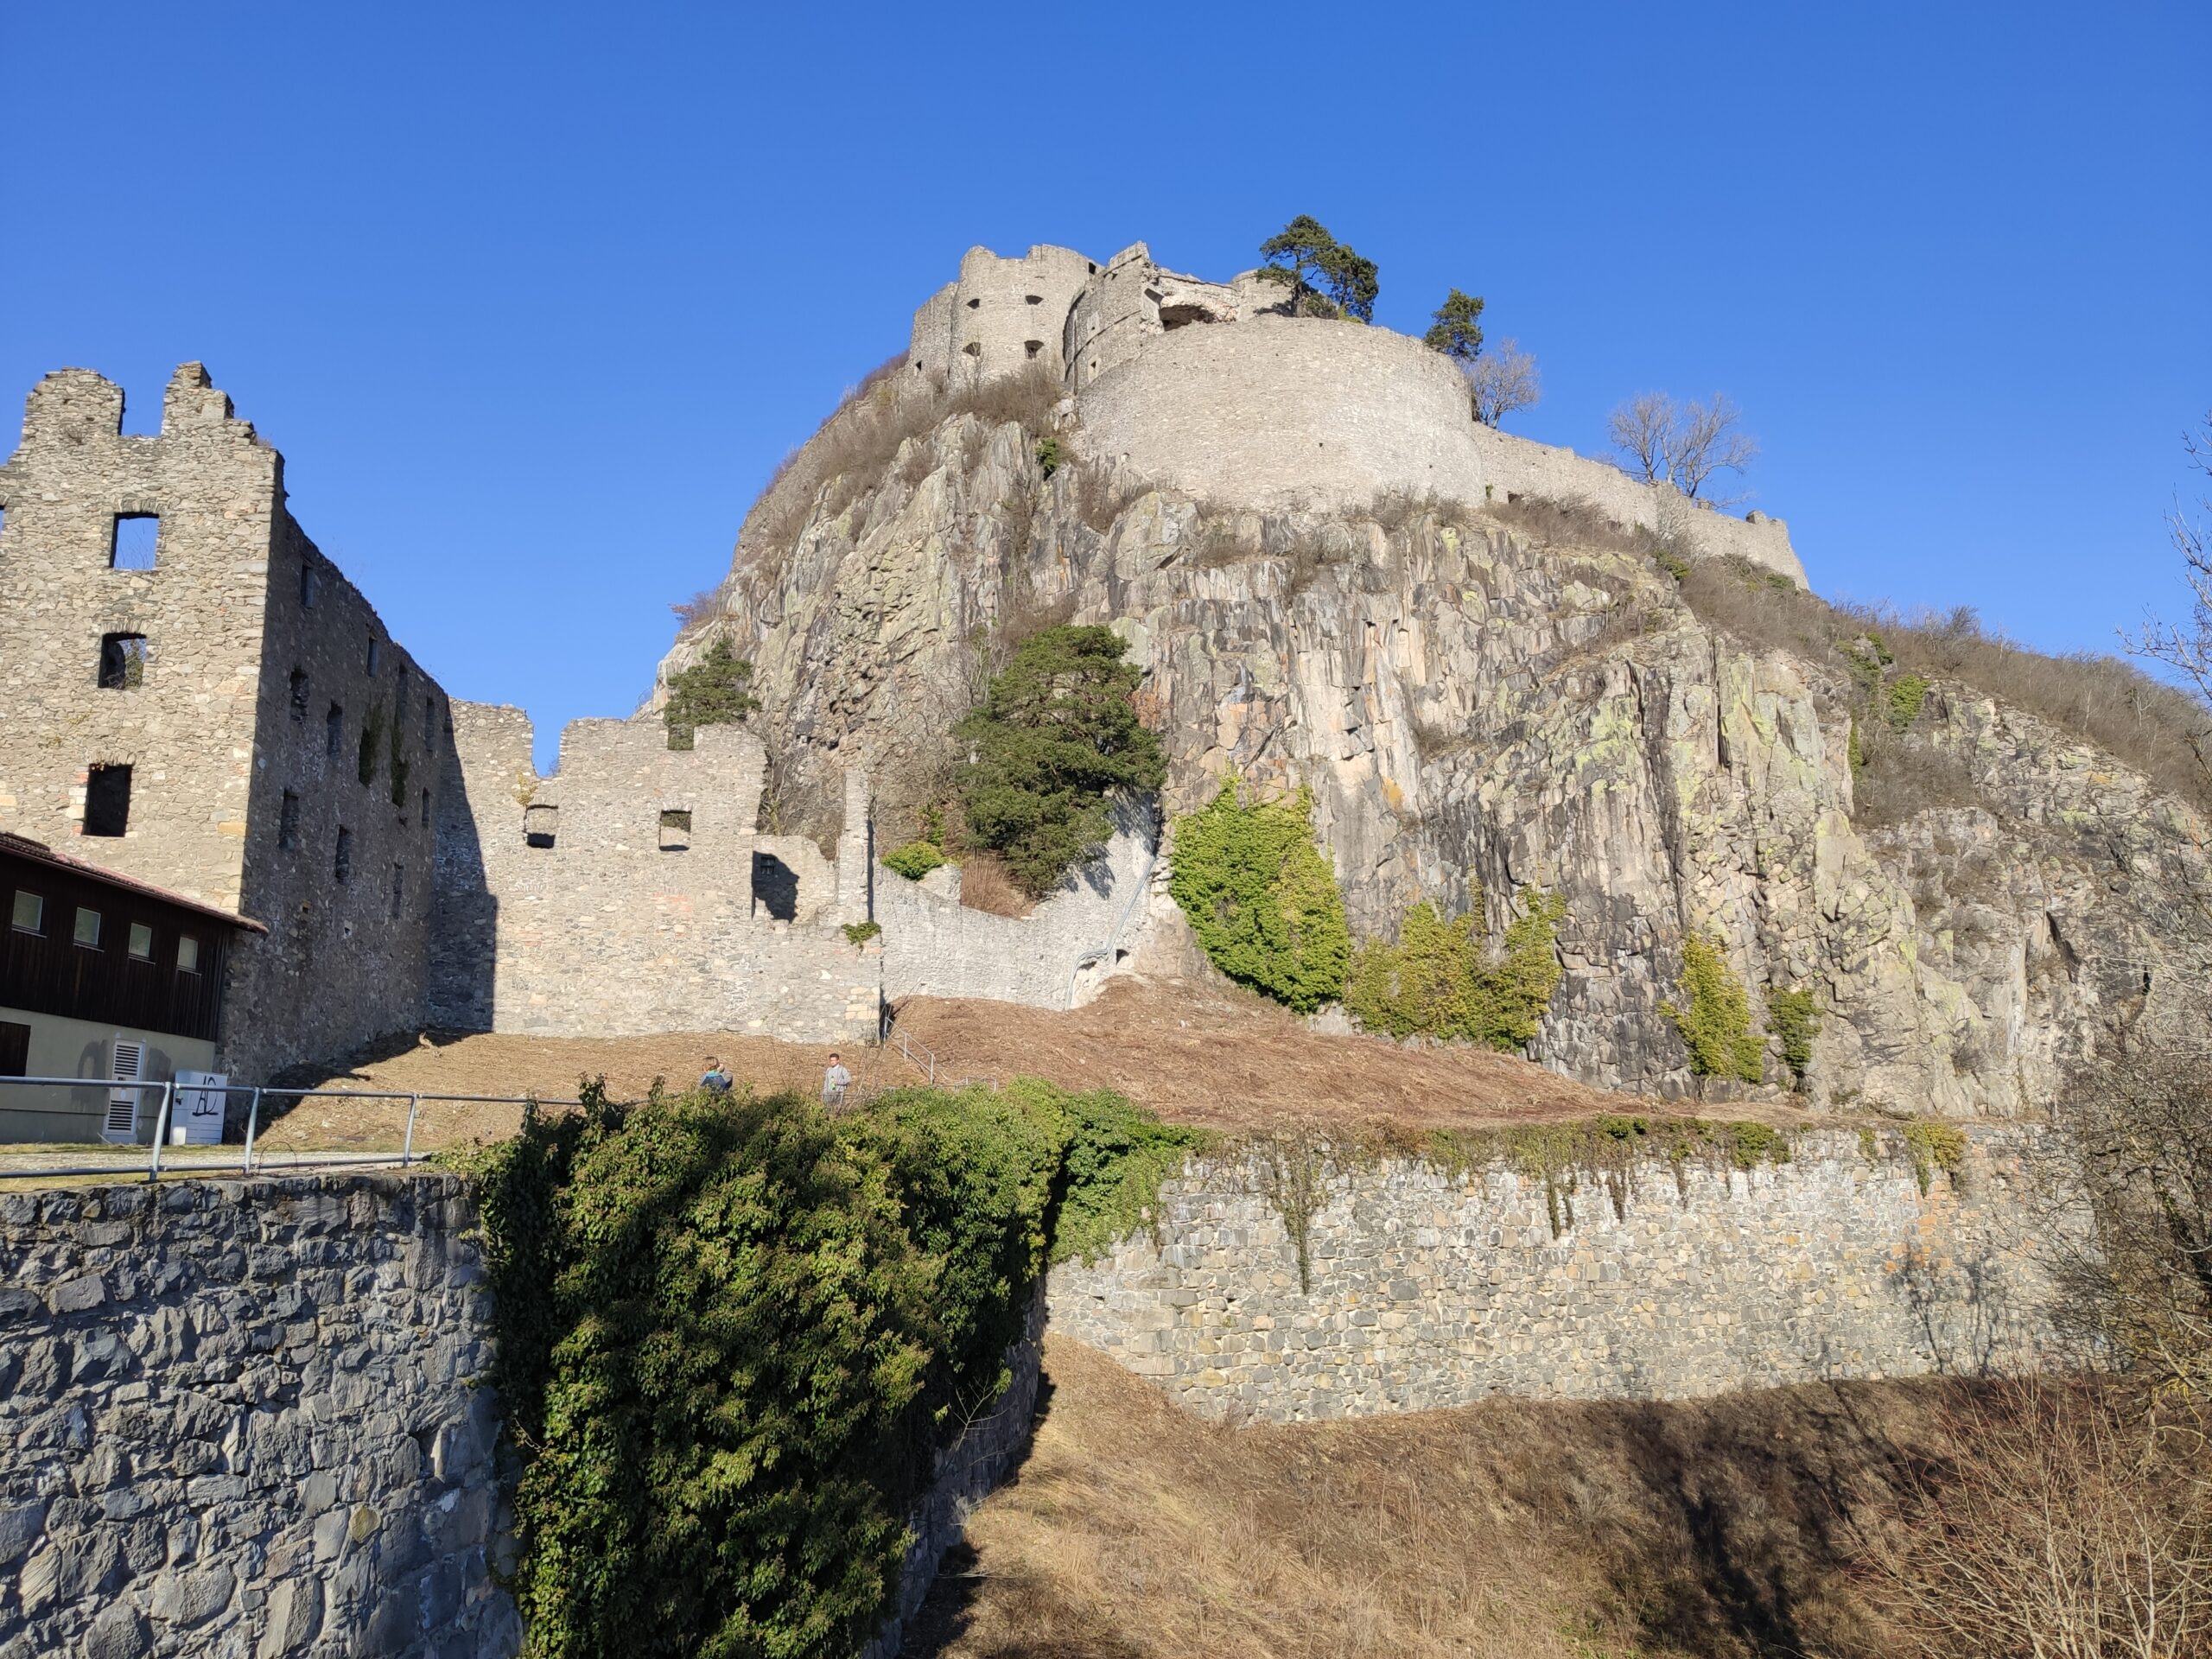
(1791, 1016)
(915, 859)
(1439, 979)
(1716, 1025)
(733, 1331)
(714, 691)
(1049, 455)
(857, 934)
(1933, 1146)
(1261, 897)
(1907, 693)
(1056, 735)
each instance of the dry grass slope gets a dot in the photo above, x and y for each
(1514, 1530)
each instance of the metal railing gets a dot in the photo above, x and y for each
(245, 1161)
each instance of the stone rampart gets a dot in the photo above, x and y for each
(1432, 1286)
(1277, 412)
(628, 893)
(242, 1417)
(1001, 315)
(1055, 957)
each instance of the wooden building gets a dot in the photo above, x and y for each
(101, 976)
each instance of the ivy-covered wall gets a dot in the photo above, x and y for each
(1743, 1259)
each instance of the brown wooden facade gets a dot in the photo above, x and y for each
(170, 986)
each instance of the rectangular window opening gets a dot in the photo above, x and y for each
(137, 536)
(299, 685)
(372, 657)
(539, 825)
(675, 830)
(288, 821)
(14, 1049)
(30, 913)
(334, 734)
(142, 942)
(341, 867)
(107, 800)
(122, 662)
(187, 954)
(88, 931)
(310, 584)
(426, 809)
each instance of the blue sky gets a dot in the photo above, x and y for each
(533, 298)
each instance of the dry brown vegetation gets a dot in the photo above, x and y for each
(1519, 1529)
(2103, 700)
(986, 885)
(854, 448)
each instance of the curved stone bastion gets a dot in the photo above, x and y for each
(1431, 1287)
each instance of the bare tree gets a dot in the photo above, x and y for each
(1684, 444)
(1501, 382)
(2188, 650)
(1707, 439)
(2054, 1528)
(1641, 430)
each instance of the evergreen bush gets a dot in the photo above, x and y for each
(1716, 1022)
(1440, 978)
(913, 861)
(1791, 1016)
(1056, 735)
(1260, 896)
(733, 1331)
(716, 690)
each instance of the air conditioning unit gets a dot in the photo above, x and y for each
(120, 1126)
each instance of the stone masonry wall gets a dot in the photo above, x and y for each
(256, 684)
(1431, 1287)
(933, 945)
(239, 1418)
(1272, 412)
(622, 927)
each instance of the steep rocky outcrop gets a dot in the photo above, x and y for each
(1478, 706)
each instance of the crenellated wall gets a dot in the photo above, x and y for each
(572, 905)
(1436, 1287)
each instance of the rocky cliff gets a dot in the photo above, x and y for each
(1483, 696)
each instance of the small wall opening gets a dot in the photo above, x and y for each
(676, 832)
(310, 584)
(136, 541)
(341, 863)
(398, 891)
(1032, 299)
(288, 821)
(775, 887)
(973, 304)
(107, 800)
(1177, 316)
(334, 734)
(298, 682)
(122, 662)
(973, 349)
(1032, 347)
(539, 825)
(374, 652)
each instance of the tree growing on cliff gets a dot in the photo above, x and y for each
(1457, 329)
(1325, 277)
(714, 691)
(1685, 444)
(1056, 735)
(1502, 381)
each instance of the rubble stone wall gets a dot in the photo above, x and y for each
(243, 1417)
(1432, 1286)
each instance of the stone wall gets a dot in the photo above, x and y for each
(1276, 413)
(1055, 957)
(1001, 315)
(1434, 1287)
(568, 906)
(264, 670)
(239, 1417)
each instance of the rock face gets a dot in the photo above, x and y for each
(1478, 706)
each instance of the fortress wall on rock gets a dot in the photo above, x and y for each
(1435, 1288)
(1275, 412)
